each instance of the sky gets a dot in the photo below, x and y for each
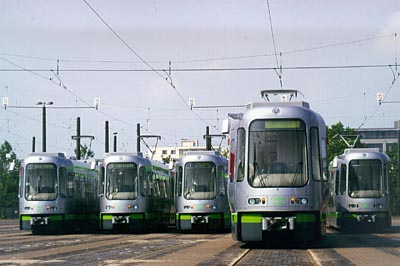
(71, 52)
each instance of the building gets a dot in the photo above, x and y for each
(383, 138)
(175, 153)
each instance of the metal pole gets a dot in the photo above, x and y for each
(33, 144)
(107, 138)
(44, 127)
(398, 158)
(115, 141)
(208, 139)
(138, 138)
(78, 139)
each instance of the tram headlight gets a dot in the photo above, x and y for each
(380, 206)
(51, 208)
(300, 200)
(254, 201)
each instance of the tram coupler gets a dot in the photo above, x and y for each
(39, 221)
(278, 223)
(120, 220)
(199, 219)
(366, 218)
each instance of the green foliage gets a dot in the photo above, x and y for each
(394, 182)
(225, 153)
(167, 159)
(86, 152)
(336, 145)
(8, 180)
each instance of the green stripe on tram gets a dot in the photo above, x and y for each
(257, 217)
(185, 217)
(305, 218)
(25, 217)
(251, 218)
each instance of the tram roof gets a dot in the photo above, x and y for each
(263, 104)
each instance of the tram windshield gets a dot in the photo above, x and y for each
(277, 153)
(41, 181)
(365, 179)
(121, 179)
(200, 180)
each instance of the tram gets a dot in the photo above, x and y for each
(201, 193)
(278, 170)
(57, 194)
(135, 193)
(359, 190)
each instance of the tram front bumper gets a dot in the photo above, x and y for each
(278, 223)
(366, 218)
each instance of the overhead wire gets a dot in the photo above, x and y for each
(279, 73)
(167, 79)
(202, 59)
(396, 75)
(203, 69)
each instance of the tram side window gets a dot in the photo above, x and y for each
(101, 181)
(63, 179)
(315, 156)
(21, 181)
(155, 185)
(70, 185)
(386, 177)
(221, 179)
(241, 142)
(337, 179)
(342, 182)
(144, 182)
(179, 172)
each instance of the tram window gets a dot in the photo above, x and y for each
(62, 185)
(386, 177)
(337, 179)
(179, 173)
(365, 179)
(70, 185)
(277, 153)
(342, 181)
(41, 181)
(144, 182)
(21, 181)
(221, 180)
(241, 148)
(102, 181)
(315, 156)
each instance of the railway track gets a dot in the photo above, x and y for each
(23, 248)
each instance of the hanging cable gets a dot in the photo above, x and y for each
(278, 70)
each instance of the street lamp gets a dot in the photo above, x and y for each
(43, 104)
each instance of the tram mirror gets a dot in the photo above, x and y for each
(334, 163)
(225, 126)
(12, 166)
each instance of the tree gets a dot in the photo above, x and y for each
(394, 190)
(8, 181)
(336, 145)
(86, 152)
